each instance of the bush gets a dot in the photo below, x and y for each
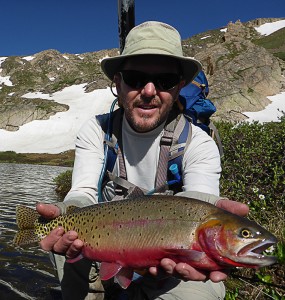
(254, 173)
(63, 183)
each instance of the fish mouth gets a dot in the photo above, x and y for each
(253, 254)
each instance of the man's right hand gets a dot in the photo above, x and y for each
(57, 240)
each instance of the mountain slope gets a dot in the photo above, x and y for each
(243, 68)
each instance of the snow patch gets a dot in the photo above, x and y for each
(272, 112)
(58, 133)
(269, 28)
(6, 80)
(28, 58)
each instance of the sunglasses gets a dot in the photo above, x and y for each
(162, 81)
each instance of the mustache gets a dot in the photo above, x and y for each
(148, 101)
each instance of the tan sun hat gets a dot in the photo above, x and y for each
(153, 38)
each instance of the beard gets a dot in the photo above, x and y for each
(145, 122)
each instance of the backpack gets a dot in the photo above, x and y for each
(193, 102)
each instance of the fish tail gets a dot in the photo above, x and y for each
(26, 236)
(26, 218)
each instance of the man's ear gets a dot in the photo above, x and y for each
(117, 80)
(181, 84)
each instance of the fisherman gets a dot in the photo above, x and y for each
(148, 76)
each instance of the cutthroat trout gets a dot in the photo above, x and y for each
(136, 234)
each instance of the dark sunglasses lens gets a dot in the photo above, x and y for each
(167, 81)
(134, 79)
(162, 81)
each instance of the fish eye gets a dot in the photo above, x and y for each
(245, 233)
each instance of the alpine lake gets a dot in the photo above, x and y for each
(26, 272)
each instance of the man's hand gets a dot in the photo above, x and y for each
(186, 272)
(58, 241)
(234, 207)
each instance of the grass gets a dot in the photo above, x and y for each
(274, 43)
(62, 159)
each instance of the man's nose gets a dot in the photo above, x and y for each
(149, 89)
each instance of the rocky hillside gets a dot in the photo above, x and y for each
(242, 67)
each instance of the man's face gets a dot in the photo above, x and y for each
(145, 94)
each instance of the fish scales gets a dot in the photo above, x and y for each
(128, 228)
(139, 223)
(138, 233)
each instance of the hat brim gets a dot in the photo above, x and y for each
(189, 66)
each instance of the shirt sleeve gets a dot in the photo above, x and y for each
(201, 165)
(89, 156)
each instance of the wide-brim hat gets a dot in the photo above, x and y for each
(153, 38)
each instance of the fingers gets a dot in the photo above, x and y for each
(217, 276)
(74, 249)
(65, 244)
(185, 272)
(233, 207)
(51, 239)
(180, 270)
(62, 243)
(57, 240)
(48, 211)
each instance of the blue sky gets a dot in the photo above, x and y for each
(31, 26)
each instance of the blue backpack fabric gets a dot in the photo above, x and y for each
(194, 102)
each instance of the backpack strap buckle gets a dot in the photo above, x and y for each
(166, 139)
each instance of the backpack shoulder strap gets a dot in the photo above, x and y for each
(215, 135)
(181, 137)
(113, 140)
(176, 157)
(176, 137)
(117, 137)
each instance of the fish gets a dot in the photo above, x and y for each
(135, 234)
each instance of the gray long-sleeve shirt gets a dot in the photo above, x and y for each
(200, 165)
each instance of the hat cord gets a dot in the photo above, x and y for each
(111, 88)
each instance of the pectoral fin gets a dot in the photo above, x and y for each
(75, 259)
(124, 277)
(185, 255)
(109, 270)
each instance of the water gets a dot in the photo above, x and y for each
(25, 273)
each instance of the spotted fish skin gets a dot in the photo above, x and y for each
(137, 233)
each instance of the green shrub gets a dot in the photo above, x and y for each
(63, 183)
(10, 156)
(254, 173)
(254, 165)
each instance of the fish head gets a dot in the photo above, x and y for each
(233, 241)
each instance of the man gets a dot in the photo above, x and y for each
(148, 76)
